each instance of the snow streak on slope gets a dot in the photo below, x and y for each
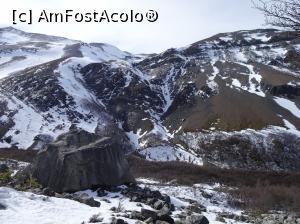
(211, 83)
(254, 81)
(29, 123)
(236, 83)
(291, 127)
(166, 90)
(72, 82)
(26, 119)
(288, 105)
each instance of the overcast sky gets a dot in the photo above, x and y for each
(181, 22)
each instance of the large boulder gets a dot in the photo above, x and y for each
(81, 160)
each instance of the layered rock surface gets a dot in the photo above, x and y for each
(80, 160)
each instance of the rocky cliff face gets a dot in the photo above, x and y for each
(232, 99)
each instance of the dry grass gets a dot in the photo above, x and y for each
(188, 174)
(254, 190)
(265, 197)
(17, 154)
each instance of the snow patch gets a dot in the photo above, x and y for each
(288, 105)
(257, 36)
(254, 81)
(134, 138)
(168, 153)
(226, 39)
(236, 83)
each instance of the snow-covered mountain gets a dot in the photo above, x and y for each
(230, 100)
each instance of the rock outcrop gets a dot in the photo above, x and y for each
(80, 160)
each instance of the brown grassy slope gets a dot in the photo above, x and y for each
(17, 154)
(189, 174)
(254, 191)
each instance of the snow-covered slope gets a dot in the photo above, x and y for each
(27, 208)
(34, 61)
(240, 82)
(20, 50)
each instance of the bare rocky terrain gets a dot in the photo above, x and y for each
(230, 100)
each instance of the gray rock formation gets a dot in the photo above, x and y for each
(80, 160)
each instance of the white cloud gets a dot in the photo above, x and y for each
(180, 22)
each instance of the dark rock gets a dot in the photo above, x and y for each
(135, 199)
(40, 141)
(196, 219)
(149, 214)
(285, 90)
(101, 192)
(91, 202)
(57, 195)
(156, 194)
(79, 160)
(197, 208)
(166, 209)
(166, 198)
(166, 218)
(85, 199)
(95, 219)
(242, 218)
(3, 168)
(206, 195)
(158, 204)
(139, 205)
(106, 200)
(111, 188)
(161, 222)
(118, 221)
(136, 215)
(149, 221)
(150, 201)
(220, 219)
(35, 190)
(48, 192)
(114, 209)
(2, 207)
(67, 196)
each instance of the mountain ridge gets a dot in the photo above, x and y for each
(243, 85)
